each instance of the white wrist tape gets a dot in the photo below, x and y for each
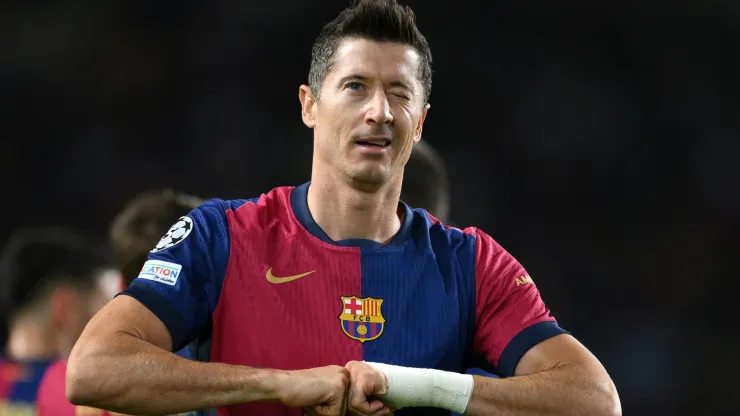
(421, 387)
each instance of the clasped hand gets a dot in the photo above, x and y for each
(337, 391)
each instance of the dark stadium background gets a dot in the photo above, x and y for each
(598, 143)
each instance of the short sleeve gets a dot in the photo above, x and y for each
(511, 317)
(182, 278)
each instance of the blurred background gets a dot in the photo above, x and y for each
(597, 143)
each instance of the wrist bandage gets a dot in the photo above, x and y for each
(421, 387)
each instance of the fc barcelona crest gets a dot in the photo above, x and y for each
(362, 319)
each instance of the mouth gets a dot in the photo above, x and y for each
(375, 142)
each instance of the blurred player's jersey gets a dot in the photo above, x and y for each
(258, 283)
(52, 400)
(19, 384)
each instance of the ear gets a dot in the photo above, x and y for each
(420, 123)
(308, 106)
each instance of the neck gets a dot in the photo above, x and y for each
(346, 210)
(30, 340)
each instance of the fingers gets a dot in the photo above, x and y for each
(334, 396)
(361, 404)
(378, 409)
(338, 403)
(383, 412)
(374, 380)
(351, 392)
(345, 404)
(365, 382)
(324, 410)
(357, 394)
(375, 406)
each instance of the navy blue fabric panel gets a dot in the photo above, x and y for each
(162, 307)
(454, 253)
(476, 360)
(427, 298)
(207, 412)
(185, 353)
(187, 270)
(480, 372)
(523, 341)
(427, 285)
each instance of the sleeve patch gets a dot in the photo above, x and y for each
(175, 235)
(160, 271)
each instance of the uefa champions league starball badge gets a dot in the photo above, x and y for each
(176, 234)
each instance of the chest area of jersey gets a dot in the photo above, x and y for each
(305, 306)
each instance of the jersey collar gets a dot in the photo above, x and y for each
(299, 203)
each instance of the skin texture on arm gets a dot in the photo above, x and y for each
(558, 376)
(122, 362)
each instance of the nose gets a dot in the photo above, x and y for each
(379, 110)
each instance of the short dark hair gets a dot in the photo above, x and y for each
(143, 222)
(425, 183)
(37, 260)
(377, 20)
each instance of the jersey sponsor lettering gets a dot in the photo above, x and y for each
(160, 271)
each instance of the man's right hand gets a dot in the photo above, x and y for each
(320, 391)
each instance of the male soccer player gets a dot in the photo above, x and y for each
(134, 231)
(56, 280)
(425, 183)
(286, 294)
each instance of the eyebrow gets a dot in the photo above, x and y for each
(356, 77)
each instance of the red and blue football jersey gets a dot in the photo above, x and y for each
(19, 384)
(258, 283)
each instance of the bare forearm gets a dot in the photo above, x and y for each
(567, 390)
(128, 375)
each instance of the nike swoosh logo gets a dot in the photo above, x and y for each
(277, 280)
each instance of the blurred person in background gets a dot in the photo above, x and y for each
(425, 183)
(134, 231)
(284, 292)
(55, 281)
(141, 223)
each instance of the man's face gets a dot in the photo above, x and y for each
(370, 110)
